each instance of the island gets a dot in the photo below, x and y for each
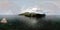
(27, 14)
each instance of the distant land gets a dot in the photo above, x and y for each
(27, 14)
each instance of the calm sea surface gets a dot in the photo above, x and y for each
(30, 23)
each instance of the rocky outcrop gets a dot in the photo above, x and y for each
(27, 14)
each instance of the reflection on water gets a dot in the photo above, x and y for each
(28, 23)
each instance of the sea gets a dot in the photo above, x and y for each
(19, 22)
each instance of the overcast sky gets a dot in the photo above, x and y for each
(13, 7)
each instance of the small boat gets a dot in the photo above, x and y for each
(4, 20)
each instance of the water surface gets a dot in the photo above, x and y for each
(30, 23)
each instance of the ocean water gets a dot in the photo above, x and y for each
(15, 22)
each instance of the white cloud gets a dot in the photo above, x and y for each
(50, 7)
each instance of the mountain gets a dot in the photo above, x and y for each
(27, 14)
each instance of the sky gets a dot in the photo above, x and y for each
(15, 7)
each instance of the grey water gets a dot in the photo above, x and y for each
(50, 22)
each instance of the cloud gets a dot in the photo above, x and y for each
(50, 7)
(8, 8)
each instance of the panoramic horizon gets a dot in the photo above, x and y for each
(15, 7)
(29, 14)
